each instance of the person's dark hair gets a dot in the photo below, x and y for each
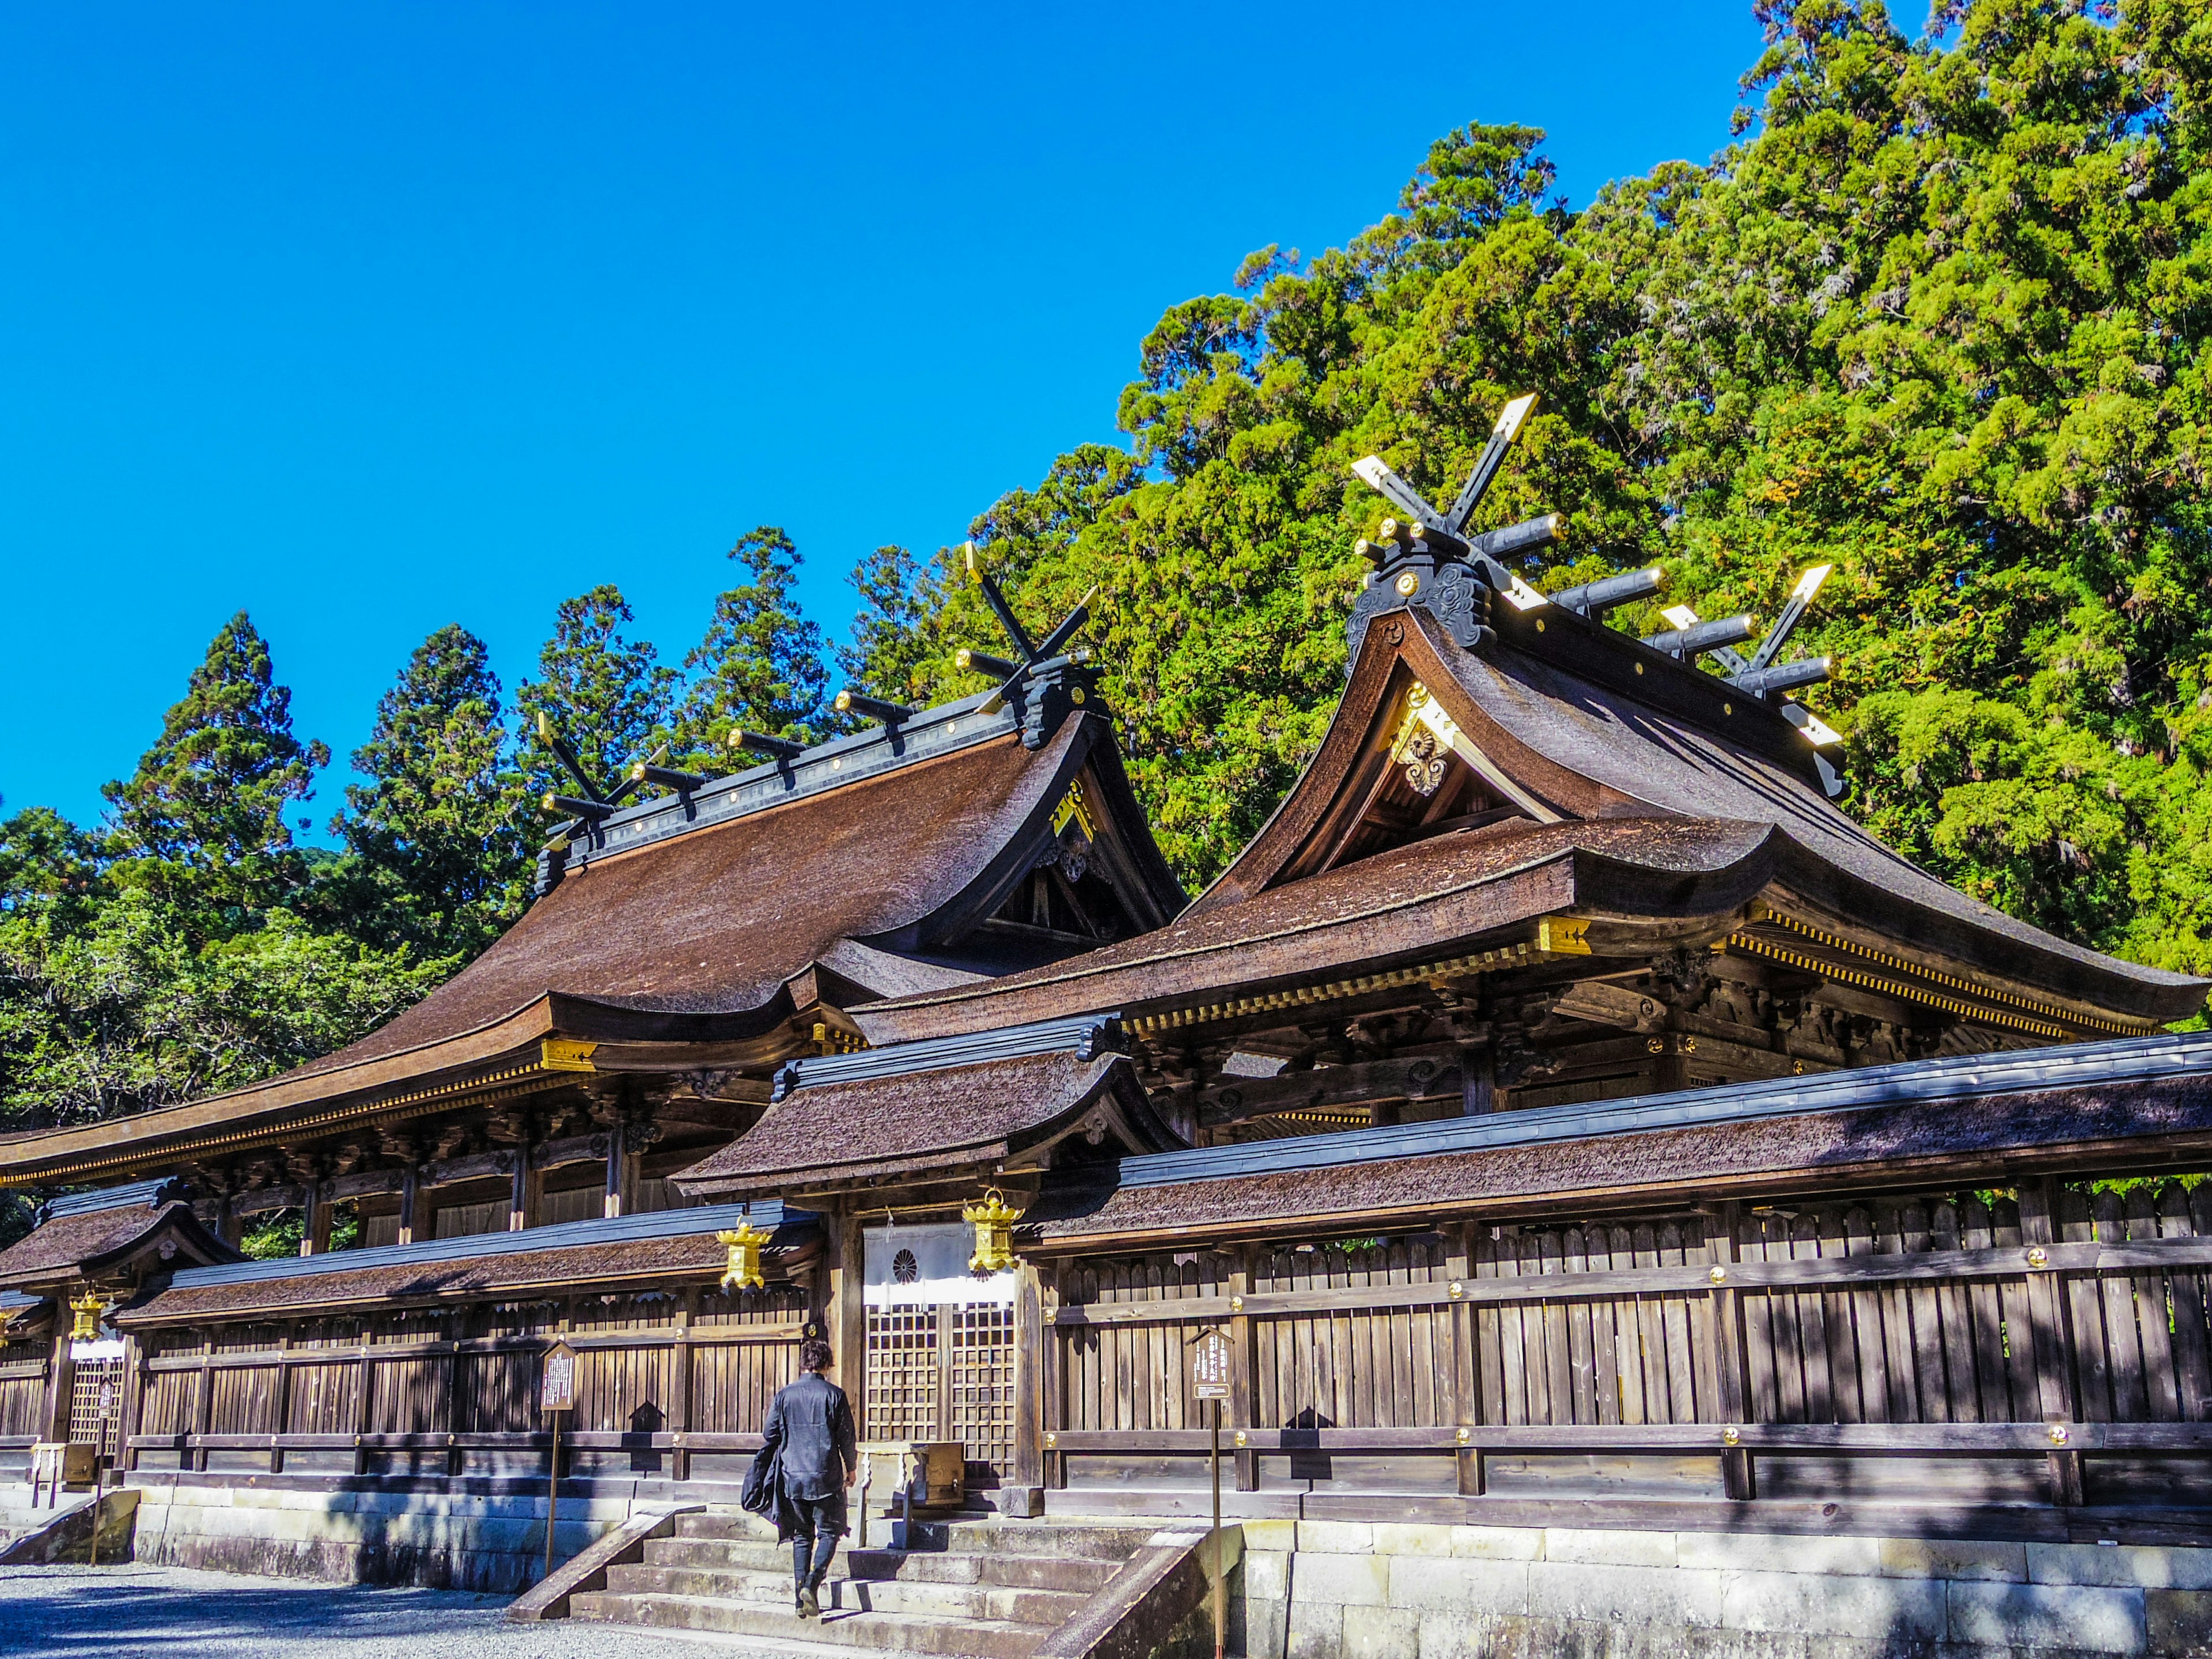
(814, 1355)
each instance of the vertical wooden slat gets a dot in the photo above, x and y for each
(1731, 1383)
(1961, 1392)
(2192, 1352)
(2162, 1401)
(2054, 1370)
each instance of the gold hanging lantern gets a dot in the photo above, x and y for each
(994, 1232)
(743, 1272)
(87, 1310)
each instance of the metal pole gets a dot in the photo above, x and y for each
(552, 1494)
(1220, 1593)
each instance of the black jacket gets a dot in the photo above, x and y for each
(810, 1423)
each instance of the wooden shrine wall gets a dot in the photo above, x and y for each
(2046, 1345)
(669, 1383)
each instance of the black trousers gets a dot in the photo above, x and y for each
(821, 1524)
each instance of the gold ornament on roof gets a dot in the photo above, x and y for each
(87, 1310)
(994, 1232)
(744, 1272)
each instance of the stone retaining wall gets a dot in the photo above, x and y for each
(474, 1535)
(1335, 1590)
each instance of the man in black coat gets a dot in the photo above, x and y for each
(810, 1429)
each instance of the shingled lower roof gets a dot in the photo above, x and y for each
(1789, 1134)
(936, 1121)
(664, 1246)
(85, 1243)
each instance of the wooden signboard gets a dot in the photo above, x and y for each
(556, 1390)
(1209, 1366)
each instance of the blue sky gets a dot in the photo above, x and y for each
(367, 320)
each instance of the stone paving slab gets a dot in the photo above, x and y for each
(135, 1612)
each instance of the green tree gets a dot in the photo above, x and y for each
(760, 665)
(891, 654)
(439, 860)
(609, 696)
(201, 824)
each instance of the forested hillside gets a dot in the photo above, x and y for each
(1938, 316)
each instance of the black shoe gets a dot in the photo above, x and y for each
(810, 1606)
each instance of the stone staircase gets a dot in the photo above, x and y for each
(989, 1590)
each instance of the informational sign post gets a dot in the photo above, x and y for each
(1209, 1381)
(556, 1393)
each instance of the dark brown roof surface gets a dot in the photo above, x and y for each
(714, 921)
(1673, 766)
(1425, 895)
(696, 1256)
(57, 1250)
(917, 1121)
(1764, 1154)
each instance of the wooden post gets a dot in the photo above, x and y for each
(364, 1411)
(522, 1193)
(1478, 1089)
(1241, 1408)
(410, 1193)
(315, 1219)
(2054, 1350)
(1459, 1266)
(280, 1406)
(679, 1384)
(61, 1376)
(204, 1403)
(1220, 1591)
(1739, 1479)
(1029, 1338)
(617, 1156)
(134, 1396)
(847, 1315)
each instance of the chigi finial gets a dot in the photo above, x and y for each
(1048, 678)
(1430, 559)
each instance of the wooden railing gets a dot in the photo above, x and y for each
(665, 1378)
(2060, 1324)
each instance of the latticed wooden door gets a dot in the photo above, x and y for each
(96, 1404)
(945, 1373)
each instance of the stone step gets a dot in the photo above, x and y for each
(993, 1603)
(1083, 1573)
(895, 1632)
(1059, 1538)
(768, 1556)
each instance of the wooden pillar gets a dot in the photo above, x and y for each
(679, 1385)
(133, 1402)
(1240, 1369)
(1738, 1479)
(617, 1162)
(2047, 1321)
(315, 1219)
(204, 1405)
(1478, 1086)
(410, 1193)
(231, 1229)
(1466, 1397)
(61, 1376)
(280, 1408)
(1053, 1377)
(522, 1195)
(1031, 1335)
(845, 1315)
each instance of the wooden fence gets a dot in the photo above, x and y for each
(2045, 1346)
(671, 1383)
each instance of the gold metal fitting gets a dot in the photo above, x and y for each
(2038, 1256)
(1407, 584)
(1461, 1437)
(1241, 1439)
(993, 1222)
(1237, 1304)
(1051, 1440)
(1731, 1435)
(744, 1272)
(84, 1324)
(2060, 1434)
(1456, 1291)
(1719, 1275)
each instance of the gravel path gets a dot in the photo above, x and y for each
(164, 1613)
